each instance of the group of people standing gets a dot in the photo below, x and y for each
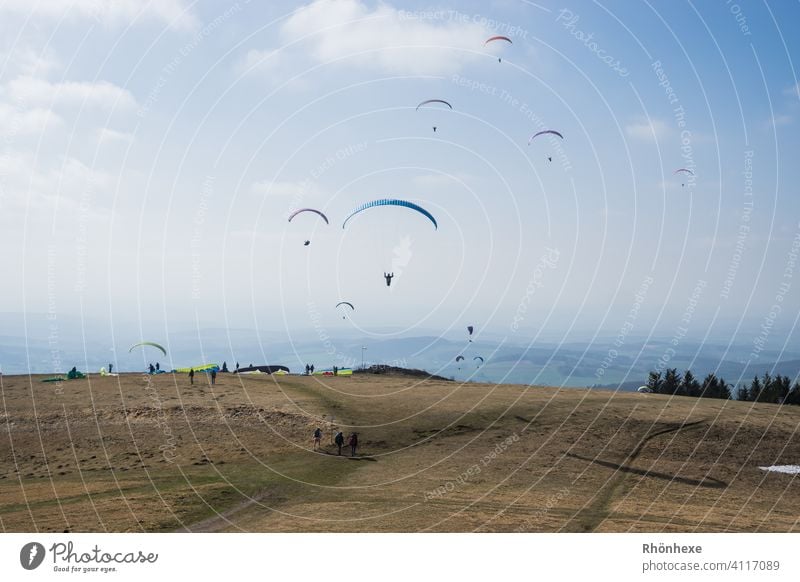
(352, 442)
(309, 369)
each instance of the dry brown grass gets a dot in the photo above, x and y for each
(112, 454)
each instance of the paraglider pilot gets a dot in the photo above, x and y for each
(388, 278)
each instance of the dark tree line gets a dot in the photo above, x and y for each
(776, 389)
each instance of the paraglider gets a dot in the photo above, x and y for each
(388, 277)
(478, 358)
(470, 329)
(545, 132)
(350, 305)
(155, 345)
(296, 212)
(391, 202)
(459, 358)
(496, 38)
(683, 171)
(644, 390)
(429, 101)
(301, 210)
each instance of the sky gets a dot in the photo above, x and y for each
(151, 153)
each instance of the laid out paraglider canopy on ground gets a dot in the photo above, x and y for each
(73, 374)
(265, 369)
(197, 369)
(329, 372)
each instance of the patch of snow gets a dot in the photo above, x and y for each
(791, 469)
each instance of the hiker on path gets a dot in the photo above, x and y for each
(339, 440)
(353, 442)
(317, 438)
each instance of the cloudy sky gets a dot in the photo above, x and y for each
(150, 154)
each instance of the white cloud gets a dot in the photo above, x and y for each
(780, 120)
(105, 134)
(260, 60)
(32, 91)
(436, 182)
(284, 189)
(31, 184)
(175, 13)
(18, 121)
(382, 39)
(648, 129)
(28, 61)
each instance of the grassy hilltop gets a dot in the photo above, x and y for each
(138, 453)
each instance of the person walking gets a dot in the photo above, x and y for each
(339, 440)
(152, 369)
(213, 375)
(110, 368)
(191, 376)
(353, 444)
(317, 438)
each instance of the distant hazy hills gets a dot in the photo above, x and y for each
(596, 363)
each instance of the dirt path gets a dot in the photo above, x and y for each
(219, 522)
(600, 507)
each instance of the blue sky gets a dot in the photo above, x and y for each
(152, 153)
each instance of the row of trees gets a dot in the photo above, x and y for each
(776, 389)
